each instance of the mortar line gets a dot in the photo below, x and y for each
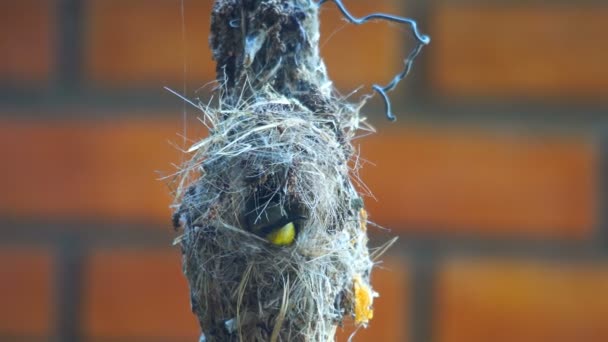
(423, 266)
(601, 226)
(69, 290)
(69, 54)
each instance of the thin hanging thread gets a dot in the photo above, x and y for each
(184, 76)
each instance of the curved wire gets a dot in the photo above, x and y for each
(409, 61)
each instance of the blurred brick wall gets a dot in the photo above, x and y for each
(493, 175)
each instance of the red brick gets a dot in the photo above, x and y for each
(361, 55)
(27, 40)
(526, 50)
(88, 169)
(141, 293)
(26, 292)
(137, 294)
(140, 42)
(482, 182)
(460, 181)
(520, 300)
(391, 318)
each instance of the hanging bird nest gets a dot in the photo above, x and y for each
(274, 236)
(273, 162)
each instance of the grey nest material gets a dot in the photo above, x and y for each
(266, 157)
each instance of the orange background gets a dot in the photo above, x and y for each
(493, 175)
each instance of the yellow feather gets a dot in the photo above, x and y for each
(283, 236)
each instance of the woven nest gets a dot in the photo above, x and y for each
(269, 158)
